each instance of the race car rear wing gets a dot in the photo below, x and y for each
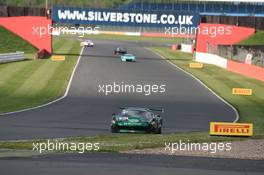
(151, 109)
(157, 109)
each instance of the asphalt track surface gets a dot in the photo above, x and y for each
(120, 164)
(188, 105)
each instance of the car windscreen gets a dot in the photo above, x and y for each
(137, 113)
(120, 49)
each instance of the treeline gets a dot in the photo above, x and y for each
(79, 3)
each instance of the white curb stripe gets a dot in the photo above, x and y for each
(223, 100)
(54, 101)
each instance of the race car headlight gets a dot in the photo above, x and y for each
(153, 123)
(113, 121)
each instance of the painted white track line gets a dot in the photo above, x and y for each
(54, 101)
(188, 73)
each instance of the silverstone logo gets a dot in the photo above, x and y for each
(125, 17)
(104, 16)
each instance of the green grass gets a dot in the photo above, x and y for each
(137, 38)
(87, 3)
(257, 39)
(251, 108)
(33, 82)
(124, 142)
(10, 42)
(93, 3)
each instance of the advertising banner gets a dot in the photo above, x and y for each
(231, 129)
(95, 16)
(241, 91)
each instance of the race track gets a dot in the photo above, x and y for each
(188, 105)
(119, 164)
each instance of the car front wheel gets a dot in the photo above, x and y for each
(113, 130)
(158, 130)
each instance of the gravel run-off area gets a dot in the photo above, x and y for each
(249, 149)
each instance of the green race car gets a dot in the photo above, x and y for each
(132, 119)
(128, 57)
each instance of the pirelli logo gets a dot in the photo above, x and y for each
(241, 91)
(231, 129)
(196, 65)
(58, 58)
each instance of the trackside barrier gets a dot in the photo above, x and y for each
(246, 69)
(11, 57)
(74, 31)
(240, 68)
(187, 48)
(211, 59)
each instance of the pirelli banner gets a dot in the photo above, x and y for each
(231, 129)
(124, 17)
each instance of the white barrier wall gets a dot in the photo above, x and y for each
(187, 48)
(132, 33)
(211, 59)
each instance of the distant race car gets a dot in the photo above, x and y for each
(87, 43)
(128, 57)
(120, 51)
(133, 119)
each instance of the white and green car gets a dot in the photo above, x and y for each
(128, 57)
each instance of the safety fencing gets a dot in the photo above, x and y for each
(11, 57)
(244, 54)
(253, 55)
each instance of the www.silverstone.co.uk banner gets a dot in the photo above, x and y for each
(123, 17)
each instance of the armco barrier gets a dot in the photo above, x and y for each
(10, 57)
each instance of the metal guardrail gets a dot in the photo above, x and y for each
(10, 57)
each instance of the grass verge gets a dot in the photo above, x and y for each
(124, 142)
(10, 42)
(33, 82)
(256, 39)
